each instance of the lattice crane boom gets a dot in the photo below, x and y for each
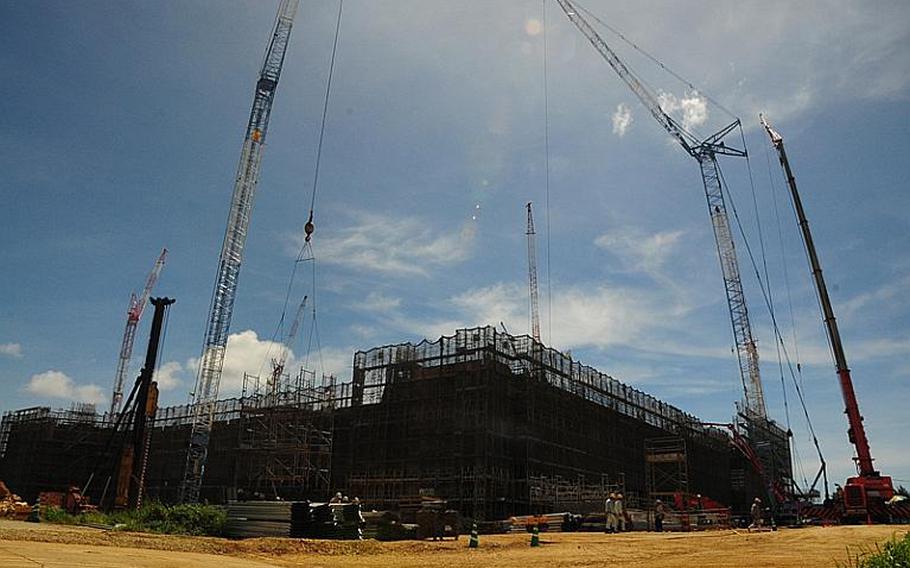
(212, 360)
(532, 277)
(133, 315)
(705, 151)
(280, 362)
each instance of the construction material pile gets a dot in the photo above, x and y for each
(11, 505)
(249, 519)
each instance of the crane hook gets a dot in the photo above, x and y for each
(309, 227)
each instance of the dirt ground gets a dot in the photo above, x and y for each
(30, 545)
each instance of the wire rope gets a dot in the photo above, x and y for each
(546, 113)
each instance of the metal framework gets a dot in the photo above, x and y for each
(212, 360)
(705, 152)
(496, 424)
(285, 436)
(133, 315)
(532, 277)
(502, 425)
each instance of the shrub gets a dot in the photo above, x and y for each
(895, 553)
(196, 520)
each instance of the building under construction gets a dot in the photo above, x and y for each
(496, 424)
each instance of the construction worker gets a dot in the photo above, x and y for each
(609, 514)
(620, 513)
(660, 510)
(757, 520)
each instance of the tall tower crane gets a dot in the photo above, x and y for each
(279, 362)
(705, 152)
(133, 315)
(208, 379)
(532, 277)
(869, 485)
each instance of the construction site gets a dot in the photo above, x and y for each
(497, 425)
(478, 430)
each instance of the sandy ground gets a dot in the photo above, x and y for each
(31, 545)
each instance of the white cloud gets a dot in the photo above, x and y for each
(169, 375)
(640, 252)
(622, 119)
(11, 349)
(378, 302)
(248, 353)
(693, 106)
(600, 317)
(405, 246)
(337, 362)
(55, 384)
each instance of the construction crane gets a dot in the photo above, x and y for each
(133, 315)
(705, 152)
(532, 277)
(279, 362)
(863, 494)
(208, 378)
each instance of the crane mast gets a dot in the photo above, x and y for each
(279, 363)
(133, 315)
(208, 379)
(532, 277)
(857, 432)
(705, 152)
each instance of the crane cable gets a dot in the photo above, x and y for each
(653, 59)
(306, 250)
(309, 226)
(325, 110)
(546, 114)
(777, 332)
(780, 240)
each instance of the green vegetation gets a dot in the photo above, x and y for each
(196, 520)
(893, 554)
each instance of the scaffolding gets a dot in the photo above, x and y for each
(43, 449)
(667, 468)
(497, 425)
(285, 435)
(500, 425)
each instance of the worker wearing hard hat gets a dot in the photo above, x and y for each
(609, 514)
(757, 520)
(660, 511)
(620, 512)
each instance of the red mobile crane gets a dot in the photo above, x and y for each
(865, 494)
(133, 315)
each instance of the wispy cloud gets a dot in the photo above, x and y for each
(58, 385)
(622, 119)
(405, 246)
(378, 302)
(641, 252)
(11, 349)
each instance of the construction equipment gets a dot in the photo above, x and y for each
(532, 277)
(133, 315)
(705, 152)
(865, 494)
(133, 462)
(208, 378)
(279, 362)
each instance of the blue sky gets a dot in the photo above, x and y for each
(122, 126)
